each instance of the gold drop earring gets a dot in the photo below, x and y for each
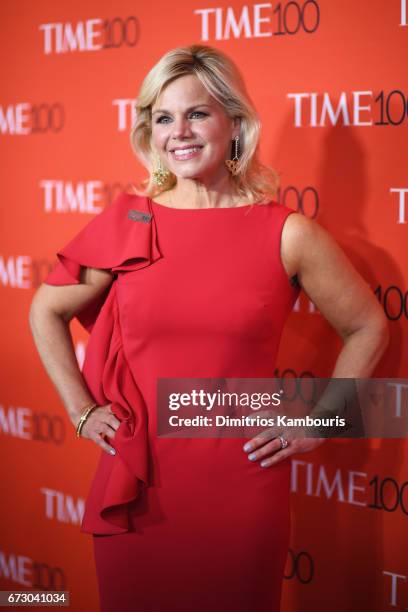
(160, 174)
(232, 164)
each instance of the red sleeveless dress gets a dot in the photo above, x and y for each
(182, 525)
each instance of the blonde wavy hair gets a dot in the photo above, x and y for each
(255, 182)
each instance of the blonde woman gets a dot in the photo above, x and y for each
(192, 277)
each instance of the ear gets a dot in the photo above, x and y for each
(236, 130)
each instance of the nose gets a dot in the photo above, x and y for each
(181, 128)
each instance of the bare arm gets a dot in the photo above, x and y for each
(339, 292)
(51, 310)
(346, 302)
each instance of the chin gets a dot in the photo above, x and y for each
(187, 175)
(190, 173)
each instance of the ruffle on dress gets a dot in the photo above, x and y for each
(121, 238)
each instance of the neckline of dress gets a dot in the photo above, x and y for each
(154, 203)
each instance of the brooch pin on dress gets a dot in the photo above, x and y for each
(138, 215)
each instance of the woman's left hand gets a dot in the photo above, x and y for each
(267, 449)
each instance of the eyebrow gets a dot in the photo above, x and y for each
(190, 108)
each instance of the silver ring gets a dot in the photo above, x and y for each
(283, 441)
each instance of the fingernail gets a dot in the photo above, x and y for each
(252, 456)
(112, 451)
(247, 447)
(263, 464)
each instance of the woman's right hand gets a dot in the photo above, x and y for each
(100, 423)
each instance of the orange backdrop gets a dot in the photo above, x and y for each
(330, 82)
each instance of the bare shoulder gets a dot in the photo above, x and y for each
(327, 276)
(298, 232)
(305, 241)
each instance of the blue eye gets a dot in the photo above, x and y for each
(199, 113)
(165, 119)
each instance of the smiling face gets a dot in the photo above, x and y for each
(191, 132)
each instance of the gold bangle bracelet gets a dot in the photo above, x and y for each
(85, 413)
